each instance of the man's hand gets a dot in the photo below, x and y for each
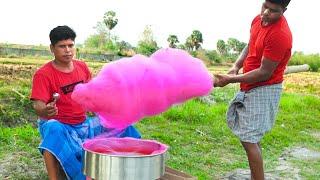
(45, 110)
(221, 80)
(233, 71)
(51, 109)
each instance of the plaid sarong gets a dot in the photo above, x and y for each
(251, 114)
(64, 141)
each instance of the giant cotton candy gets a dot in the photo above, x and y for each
(126, 90)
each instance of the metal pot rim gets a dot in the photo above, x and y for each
(127, 156)
(166, 147)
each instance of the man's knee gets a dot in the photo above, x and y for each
(251, 147)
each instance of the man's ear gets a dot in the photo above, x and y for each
(51, 48)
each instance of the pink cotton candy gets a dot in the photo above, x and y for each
(126, 90)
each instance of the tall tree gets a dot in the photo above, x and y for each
(110, 20)
(235, 45)
(196, 38)
(147, 34)
(222, 47)
(172, 40)
(147, 45)
(102, 34)
(189, 44)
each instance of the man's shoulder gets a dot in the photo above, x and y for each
(79, 62)
(256, 19)
(44, 69)
(281, 30)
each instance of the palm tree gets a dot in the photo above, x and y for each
(189, 44)
(172, 40)
(196, 38)
(110, 20)
(236, 45)
(222, 47)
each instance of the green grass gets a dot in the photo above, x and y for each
(200, 142)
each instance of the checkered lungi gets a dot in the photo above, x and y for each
(251, 114)
(64, 141)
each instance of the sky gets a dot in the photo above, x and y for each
(29, 22)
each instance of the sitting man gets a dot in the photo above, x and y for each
(63, 124)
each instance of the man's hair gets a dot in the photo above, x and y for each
(60, 33)
(283, 3)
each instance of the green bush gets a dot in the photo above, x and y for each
(213, 56)
(313, 60)
(147, 48)
(193, 53)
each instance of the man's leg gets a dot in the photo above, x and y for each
(51, 165)
(255, 160)
(55, 172)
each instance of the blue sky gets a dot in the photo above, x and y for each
(29, 22)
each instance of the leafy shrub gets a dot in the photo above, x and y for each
(313, 60)
(194, 53)
(213, 56)
(147, 48)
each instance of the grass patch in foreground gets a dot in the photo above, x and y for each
(200, 142)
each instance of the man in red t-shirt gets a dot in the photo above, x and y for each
(63, 123)
(252, 112)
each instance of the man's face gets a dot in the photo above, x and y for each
(63, 50)
(271, 12)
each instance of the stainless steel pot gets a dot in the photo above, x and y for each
(118, 167)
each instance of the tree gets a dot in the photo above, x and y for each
(147, 45)
(222, 47)
(103, 39)
(213, 56)
(172, 40)
(147, 34)
(189, 44)
(101, 35)
(93, 41)
(110, 20)
(235, 45)
(125, 49)
(196, 38)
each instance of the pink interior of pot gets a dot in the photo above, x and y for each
(124, 146)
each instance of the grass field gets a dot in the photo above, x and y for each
(200, 142)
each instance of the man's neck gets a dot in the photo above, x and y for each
(64, 67)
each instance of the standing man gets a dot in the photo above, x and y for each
(63, 124)
(252, 112)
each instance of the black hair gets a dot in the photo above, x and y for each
(60, 33)
(283, 3)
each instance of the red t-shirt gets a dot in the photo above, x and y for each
(273, 42)
(48, 80)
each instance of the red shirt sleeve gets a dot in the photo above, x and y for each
(40, 88)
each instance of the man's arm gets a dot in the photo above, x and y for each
(263, 73)
(45, 110)
(239, 62)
